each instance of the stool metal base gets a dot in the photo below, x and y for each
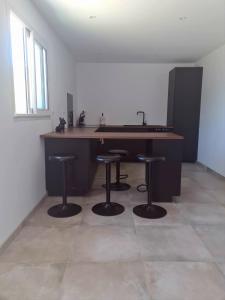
(121, 186)
(149, 211)
(105, 209)
(64, 211)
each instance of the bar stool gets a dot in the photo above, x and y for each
(108, 208)
(149, 210)
(119, 186)
(65, 209)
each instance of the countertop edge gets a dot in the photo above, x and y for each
(89, 133)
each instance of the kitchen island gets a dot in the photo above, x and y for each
(85, 143)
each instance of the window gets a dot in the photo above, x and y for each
(29, 60)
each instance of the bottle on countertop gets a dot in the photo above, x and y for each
(102, 120)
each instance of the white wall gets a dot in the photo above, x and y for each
(120, 90)
(22, 171)
(212, 122)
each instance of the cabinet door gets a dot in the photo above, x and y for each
(187, 109)
(166, 176)
(80, 172)
(171, 91)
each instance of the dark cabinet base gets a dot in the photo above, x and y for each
(166, 176)
(184, 102)
(80, 173)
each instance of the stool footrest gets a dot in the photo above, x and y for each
(125, 176)
(118, 186)
(142, 188)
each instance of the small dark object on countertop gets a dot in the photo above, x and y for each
(81, 119)
(61, 126)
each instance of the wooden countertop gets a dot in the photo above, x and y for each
(89, 133)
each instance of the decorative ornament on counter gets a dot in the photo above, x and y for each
(81, 121)
(61, 126)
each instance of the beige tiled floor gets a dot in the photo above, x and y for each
(88, 257)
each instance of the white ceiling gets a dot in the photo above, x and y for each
(137, 30)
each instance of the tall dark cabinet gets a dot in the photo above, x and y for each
(184, 100)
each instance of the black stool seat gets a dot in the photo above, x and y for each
(149, 210)
(61, 158)
(108, 158)
(65, 209)
(118, 185)
(149, 158)
(108, 208)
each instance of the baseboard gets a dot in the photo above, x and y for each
(207, 169)
(20, 226)
(202, 165)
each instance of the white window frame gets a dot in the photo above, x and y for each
(30, 79)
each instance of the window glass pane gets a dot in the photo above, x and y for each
(29, 57)
(38, 76)
(41, 77)
(45, 78)
(17, 41)
(29, 60)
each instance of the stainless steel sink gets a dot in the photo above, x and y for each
(135, 125)
(121, 129)
(134, 128)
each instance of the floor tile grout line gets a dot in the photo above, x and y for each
(219, 269)
(204, 241)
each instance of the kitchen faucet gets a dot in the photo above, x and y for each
(143, 113)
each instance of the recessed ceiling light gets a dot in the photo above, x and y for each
(183, 18)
